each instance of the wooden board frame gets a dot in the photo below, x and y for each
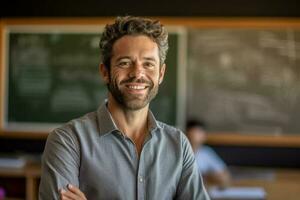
(70, 26)
(224, 138)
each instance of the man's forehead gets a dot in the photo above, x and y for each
(127, 44)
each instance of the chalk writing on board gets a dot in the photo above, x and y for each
(245, 80)
(54, 77)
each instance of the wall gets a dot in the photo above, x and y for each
(285, 157)
(229, 8)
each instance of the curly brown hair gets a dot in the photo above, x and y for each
(130, 25)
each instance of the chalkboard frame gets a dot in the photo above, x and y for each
(222, 138)
(70, 27)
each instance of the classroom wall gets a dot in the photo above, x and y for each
(285, 157)
(212, 8)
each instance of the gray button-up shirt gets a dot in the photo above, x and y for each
(90, 152)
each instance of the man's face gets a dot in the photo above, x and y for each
(135, 72)
(197, 136)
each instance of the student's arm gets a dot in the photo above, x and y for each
(218, 172)
(190, 185)
(221, 178)
(60, 164)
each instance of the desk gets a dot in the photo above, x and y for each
(285, 184)
(31, 172)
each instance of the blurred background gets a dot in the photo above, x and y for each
(232, 65)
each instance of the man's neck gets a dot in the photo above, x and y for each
(132, 123)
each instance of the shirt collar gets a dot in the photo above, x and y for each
(105, 120)
(107, 124)
(152, 122)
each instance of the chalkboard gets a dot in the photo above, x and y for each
(53, 76)
(245, 80)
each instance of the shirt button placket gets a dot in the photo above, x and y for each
(141, 180)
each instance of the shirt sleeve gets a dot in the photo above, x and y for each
(60, 164)
(190, 184)
(217, 164)
(208, 161)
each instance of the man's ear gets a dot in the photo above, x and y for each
(162, 73)
(103, 71)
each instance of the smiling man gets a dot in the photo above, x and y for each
(121, 151)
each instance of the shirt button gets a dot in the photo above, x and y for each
(141, 179)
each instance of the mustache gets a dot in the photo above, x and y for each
(135, 80)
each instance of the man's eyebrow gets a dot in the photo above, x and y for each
(150, 59)
(123, 57)
(128, 57)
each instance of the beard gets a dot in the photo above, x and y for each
(130, 101)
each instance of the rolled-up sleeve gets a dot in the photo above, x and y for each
(60, 164)
(190, 184)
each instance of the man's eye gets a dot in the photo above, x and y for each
(149, 64)
(124, 64)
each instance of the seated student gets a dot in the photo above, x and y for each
(209, 163)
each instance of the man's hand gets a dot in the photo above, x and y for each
(73, 193)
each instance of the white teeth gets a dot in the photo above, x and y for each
(137, 87)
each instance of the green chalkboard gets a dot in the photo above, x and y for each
(53, 78)
(245, 80)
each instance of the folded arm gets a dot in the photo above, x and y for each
(60, 164)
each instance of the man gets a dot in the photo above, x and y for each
(210, 165)
(120, 151)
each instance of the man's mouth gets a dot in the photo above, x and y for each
(137, 87)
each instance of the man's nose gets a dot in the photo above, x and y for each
(137, 70)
